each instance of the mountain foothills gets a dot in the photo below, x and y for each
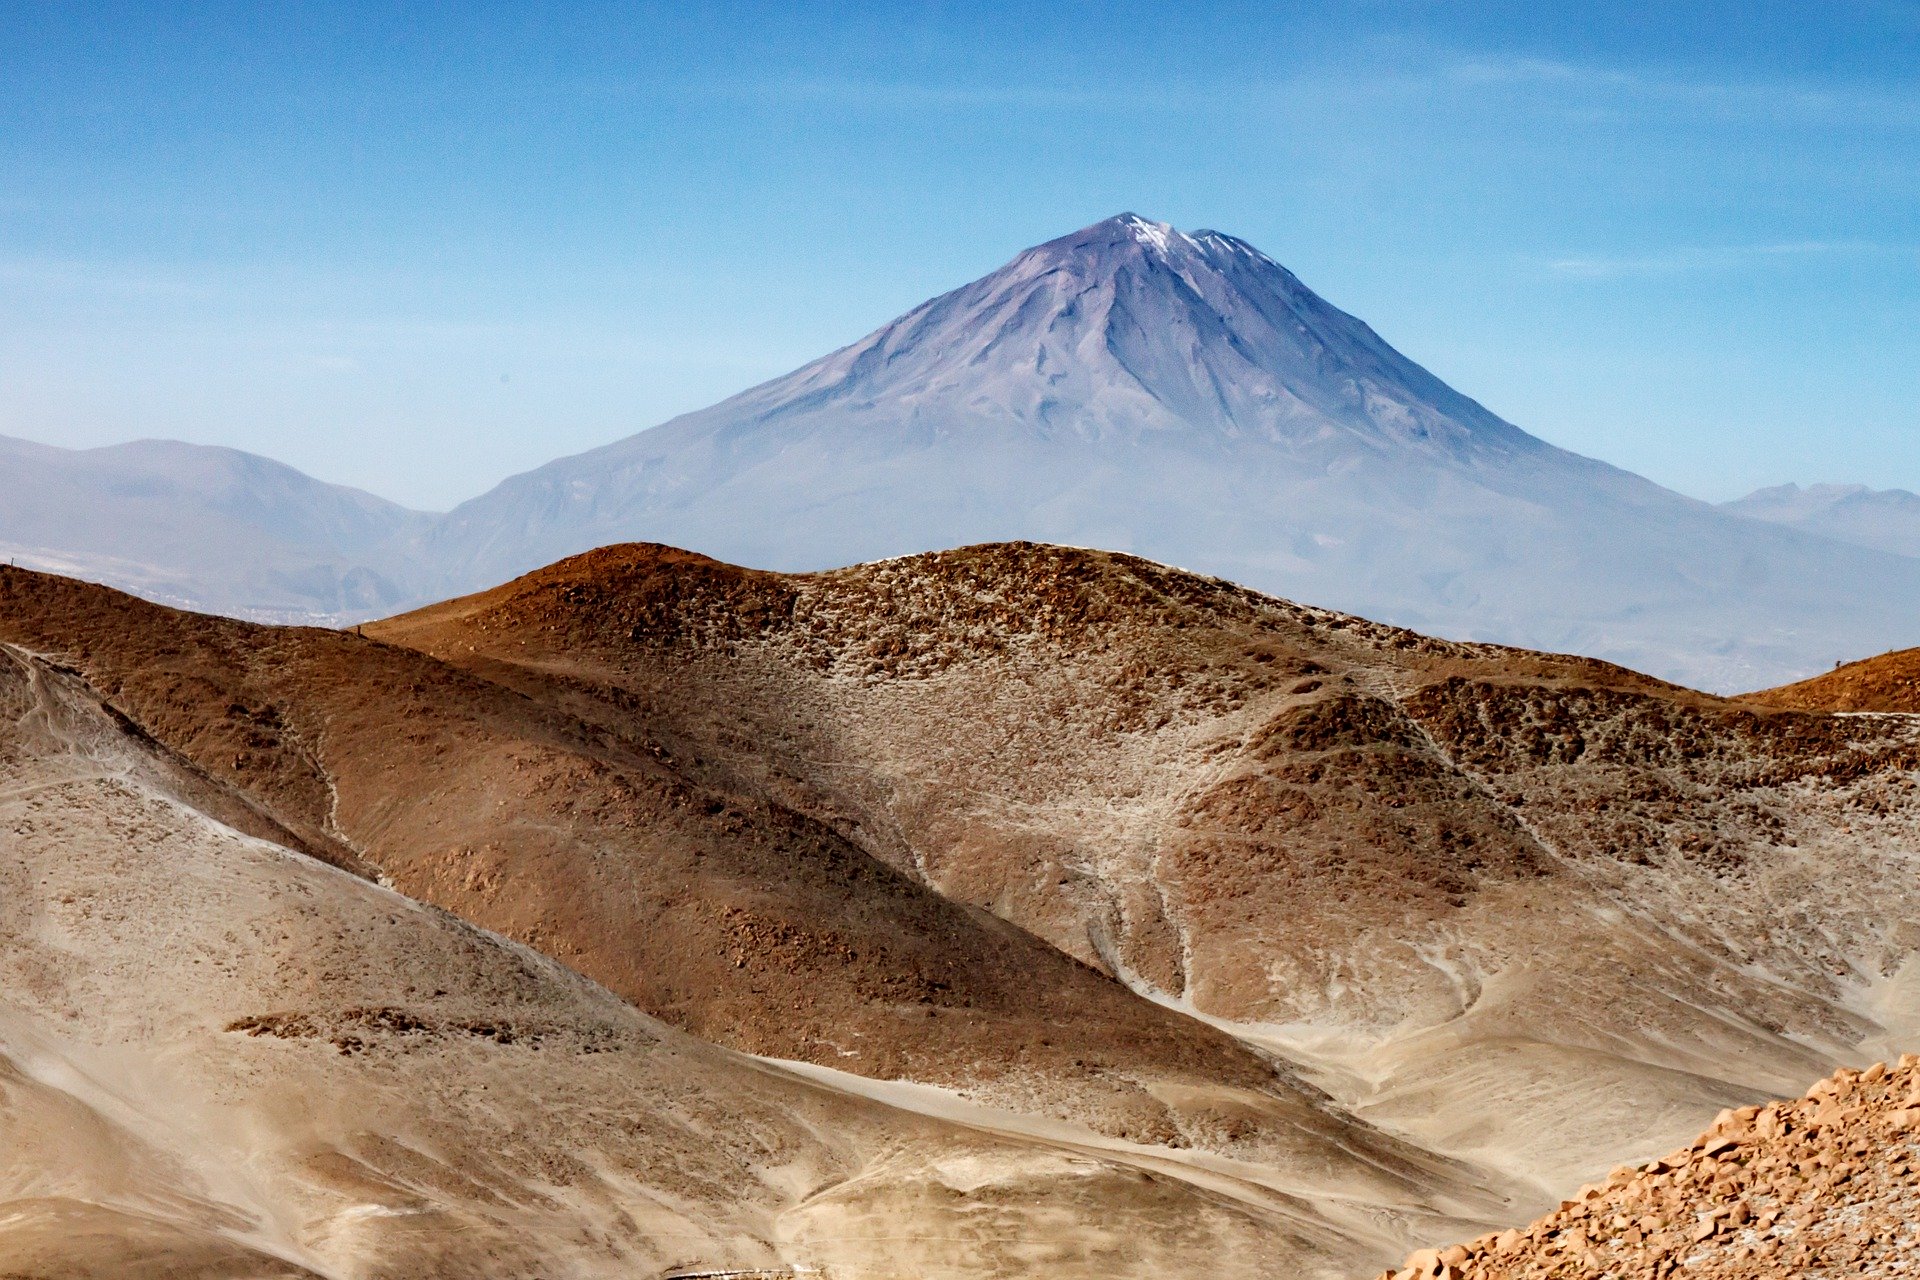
(1128, 386)
(1003, 911)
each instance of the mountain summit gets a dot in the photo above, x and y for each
(1129, 329)
(1183, 396)
(1099, 388)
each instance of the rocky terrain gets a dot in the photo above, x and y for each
(1889, 683)
(1430, 873)
(1825, 1185)
(221, 1058)
(1363, 938)
(742, 922)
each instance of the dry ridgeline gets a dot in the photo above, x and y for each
(1888, 684)
(1013, 910)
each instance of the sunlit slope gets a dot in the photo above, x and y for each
(1531, 911)
(742, 920)
(1889, 683)
(221, 1058)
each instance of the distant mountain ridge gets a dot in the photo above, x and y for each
(1179, 396)
(206, 528)
(1884, 519)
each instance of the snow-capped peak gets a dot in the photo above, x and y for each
(1232, 246)
(1155, 235)
(1130, 329)
(1167, 240)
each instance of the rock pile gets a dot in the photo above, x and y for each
(1826, 1185)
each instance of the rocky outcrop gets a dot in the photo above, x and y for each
(1827, 1184)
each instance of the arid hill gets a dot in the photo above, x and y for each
(729, 916)
(1374, 938)
(1888, 683)
(737, 919)
(219, 1058)
(1538, 913)
(1828, 1184)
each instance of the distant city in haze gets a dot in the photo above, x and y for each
(418, 255)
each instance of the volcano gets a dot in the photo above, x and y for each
(1185, 397)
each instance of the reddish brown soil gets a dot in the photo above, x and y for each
(1890, 682)
(1532, 908)
(977, 718)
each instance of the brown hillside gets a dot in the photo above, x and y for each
(1363, 930)
(1533, 911)
(720, 909)
(1890, 682)
(219, 1059)
(738, 919)
(1826, 1185)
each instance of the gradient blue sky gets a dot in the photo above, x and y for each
(420, 247)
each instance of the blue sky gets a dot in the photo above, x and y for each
(418, 248)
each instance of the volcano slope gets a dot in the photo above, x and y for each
(220, 1058)
(724, 913)
(1537, 913)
